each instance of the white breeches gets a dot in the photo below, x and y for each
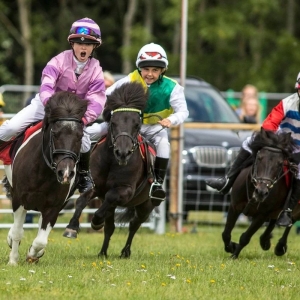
(32, 113)
(160, 139)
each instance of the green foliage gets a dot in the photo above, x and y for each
(230, 43)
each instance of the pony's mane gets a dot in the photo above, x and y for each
(268, 138)
(128, 95)
(64, 105)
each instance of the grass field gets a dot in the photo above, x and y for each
(169, 266)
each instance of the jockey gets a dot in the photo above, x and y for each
(72, 70)
(283, 117)
(166, 100)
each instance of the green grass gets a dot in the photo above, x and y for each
(169, 266)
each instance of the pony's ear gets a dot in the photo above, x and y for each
(263, 132)
(106, 114)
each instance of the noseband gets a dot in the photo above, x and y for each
(269, 182)
(134, 140)
(66, 153)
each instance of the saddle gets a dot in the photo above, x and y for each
(8, 152)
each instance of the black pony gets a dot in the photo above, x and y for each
(261, 189)
(44, 170)
(118, 168)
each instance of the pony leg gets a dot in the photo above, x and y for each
(232, 217)
(109, 229)
(246, 236)
(37, 249)
(281, 246)
(265, 238)
(15, 235)
(72, 228)
(141, 215)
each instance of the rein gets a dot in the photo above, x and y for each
(123, 133)
(268, 181)
(66, 153)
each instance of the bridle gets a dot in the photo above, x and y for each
(269, 182)
(66, 153)
(134, 139)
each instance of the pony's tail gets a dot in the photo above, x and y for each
(124, 215)
(7, 187)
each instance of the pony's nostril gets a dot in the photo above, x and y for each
(60, 174)
(72, 173)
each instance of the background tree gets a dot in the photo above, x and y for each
(230, 43)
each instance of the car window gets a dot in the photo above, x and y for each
(206, 105)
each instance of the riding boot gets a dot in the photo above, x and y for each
(285, 217)
(85, 180)
(157, 192)
(224, 184)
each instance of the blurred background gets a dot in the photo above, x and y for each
(230, 43)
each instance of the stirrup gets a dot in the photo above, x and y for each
(225, 186)
(285, 219)
(152, 189)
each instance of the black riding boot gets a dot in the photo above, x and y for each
(224, 184)
(285, 217)
(85, 180)
(157, 192)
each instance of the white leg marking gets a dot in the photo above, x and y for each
(15, 235)
(39, 244)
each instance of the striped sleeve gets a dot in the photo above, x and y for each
(274, 118)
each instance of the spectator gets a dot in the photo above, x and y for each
(108, 79)
(249, 111)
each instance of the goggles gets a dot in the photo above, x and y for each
(85, 31)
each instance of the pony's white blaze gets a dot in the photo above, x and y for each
(15, 235)
(66, 174)
(71, 124)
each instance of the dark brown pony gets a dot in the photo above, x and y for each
(118, 169)
(261, 189)
(44, 171)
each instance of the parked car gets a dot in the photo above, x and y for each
(207, 152)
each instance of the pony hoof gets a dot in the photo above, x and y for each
(95, 226)
(70, 233)
(279, 251)
(32, 260)
(12, 263)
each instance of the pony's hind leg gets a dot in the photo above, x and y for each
(142, 213)
(265, 238)
(37, 249)
(15, 235)
(109, 229)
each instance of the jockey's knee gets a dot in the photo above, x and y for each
(8, 130)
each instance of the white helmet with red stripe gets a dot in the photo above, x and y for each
(85, 31)
(152, 55)
(297, 85)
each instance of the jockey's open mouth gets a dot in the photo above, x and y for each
(83, 54)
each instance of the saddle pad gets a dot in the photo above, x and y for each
(8, 153)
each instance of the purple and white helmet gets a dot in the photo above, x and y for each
(85, 31)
